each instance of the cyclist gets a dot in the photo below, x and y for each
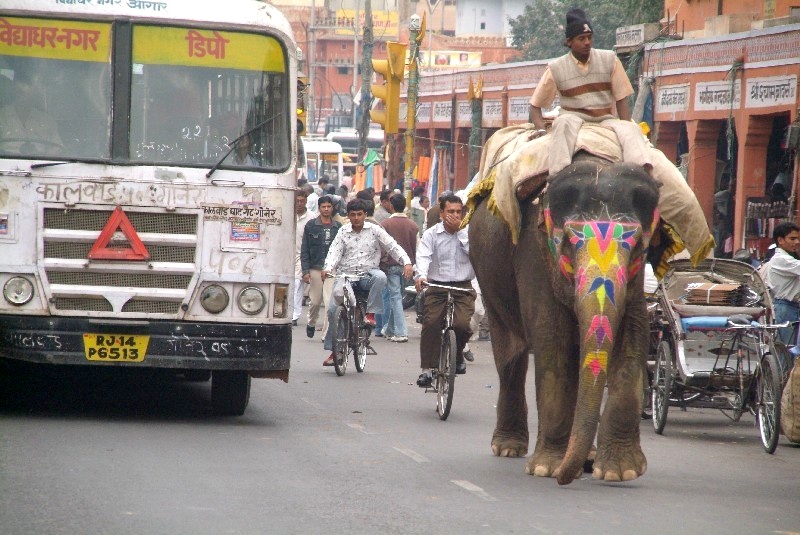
(443, 258)
(357, 249)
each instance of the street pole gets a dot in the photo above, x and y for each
(366, 80)
(416, 27)
(355, 62)
(311, 121)
(475, 97)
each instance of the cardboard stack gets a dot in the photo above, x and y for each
(715, 294)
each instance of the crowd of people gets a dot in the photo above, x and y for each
(389, 243)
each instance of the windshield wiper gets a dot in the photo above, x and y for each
(51, 164)
(232, 144)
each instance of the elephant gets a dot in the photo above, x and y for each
(571, 291)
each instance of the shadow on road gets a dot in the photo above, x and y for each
(100, 392)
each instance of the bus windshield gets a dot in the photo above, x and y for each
(190, 93)
(187, 105)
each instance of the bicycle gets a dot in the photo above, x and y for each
(444, 376)
(352, 334)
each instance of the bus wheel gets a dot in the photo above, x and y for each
(230, 392)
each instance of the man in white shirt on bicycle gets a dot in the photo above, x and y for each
(443, 258)
(357, 249)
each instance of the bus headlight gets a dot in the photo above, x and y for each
(214, 298)
(18, 290)
(280, 301)
(251, 300)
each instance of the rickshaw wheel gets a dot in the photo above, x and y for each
(662, 383)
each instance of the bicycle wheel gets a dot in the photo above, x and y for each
(341, 344)
(662, 383)
(446, 374)
(768, 401)
(360, 336)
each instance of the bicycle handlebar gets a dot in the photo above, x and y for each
(434, 285)
(770, 326)
(352, 276)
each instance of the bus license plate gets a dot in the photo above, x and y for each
(115, 347)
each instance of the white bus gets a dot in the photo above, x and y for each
(132, 233)
(322, 158)
(348, 139)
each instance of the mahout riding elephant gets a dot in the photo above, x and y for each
(571, 291)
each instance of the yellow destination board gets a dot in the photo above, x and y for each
(55, 39)
(207, 48)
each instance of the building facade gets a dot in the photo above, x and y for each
(724, 108)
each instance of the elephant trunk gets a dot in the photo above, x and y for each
(600, 292)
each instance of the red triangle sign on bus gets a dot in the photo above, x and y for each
(118, 221)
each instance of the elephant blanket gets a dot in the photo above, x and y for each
(513, 166)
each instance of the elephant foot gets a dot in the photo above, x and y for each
(510, 445)
(545, 461)
(619, 463)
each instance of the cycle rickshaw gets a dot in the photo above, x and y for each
(713, 345)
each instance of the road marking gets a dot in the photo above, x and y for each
(474, 489)
(312, 403)
(413, 455)
(359, 427)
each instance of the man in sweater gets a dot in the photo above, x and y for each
(405, 232)
(591, 83)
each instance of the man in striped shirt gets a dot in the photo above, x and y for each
(591, 84)
(443, 258)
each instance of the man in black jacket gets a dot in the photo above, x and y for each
(317, 238)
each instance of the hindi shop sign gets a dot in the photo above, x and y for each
(672, 98)
(518, 109)
(717, 96)
(442, 111)
(771, 91)
(493, 112)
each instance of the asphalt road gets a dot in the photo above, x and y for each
(89, 452)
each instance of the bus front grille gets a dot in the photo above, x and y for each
(122, 288)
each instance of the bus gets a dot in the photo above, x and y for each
(322, 158)
(348, 139)
(147, 183)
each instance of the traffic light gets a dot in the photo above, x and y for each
(392, 69)
(302, 84)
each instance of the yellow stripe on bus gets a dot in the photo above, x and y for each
(55, 39)
(207, 48)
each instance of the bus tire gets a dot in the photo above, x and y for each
(230, 392)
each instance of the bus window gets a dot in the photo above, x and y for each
(192, 97)
(323, 158)
(56, 105)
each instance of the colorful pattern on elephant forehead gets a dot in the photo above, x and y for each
(596, 361)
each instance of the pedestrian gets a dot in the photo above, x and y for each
(591, 83)
(384, 208)
(302, 216)
(357, 248)
(443, 258)
(317, 238)
(783, 278)
(405, 232)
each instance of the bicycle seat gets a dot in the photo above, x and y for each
(737, 320)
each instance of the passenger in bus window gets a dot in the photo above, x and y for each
(25, 127)
(241, 154)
